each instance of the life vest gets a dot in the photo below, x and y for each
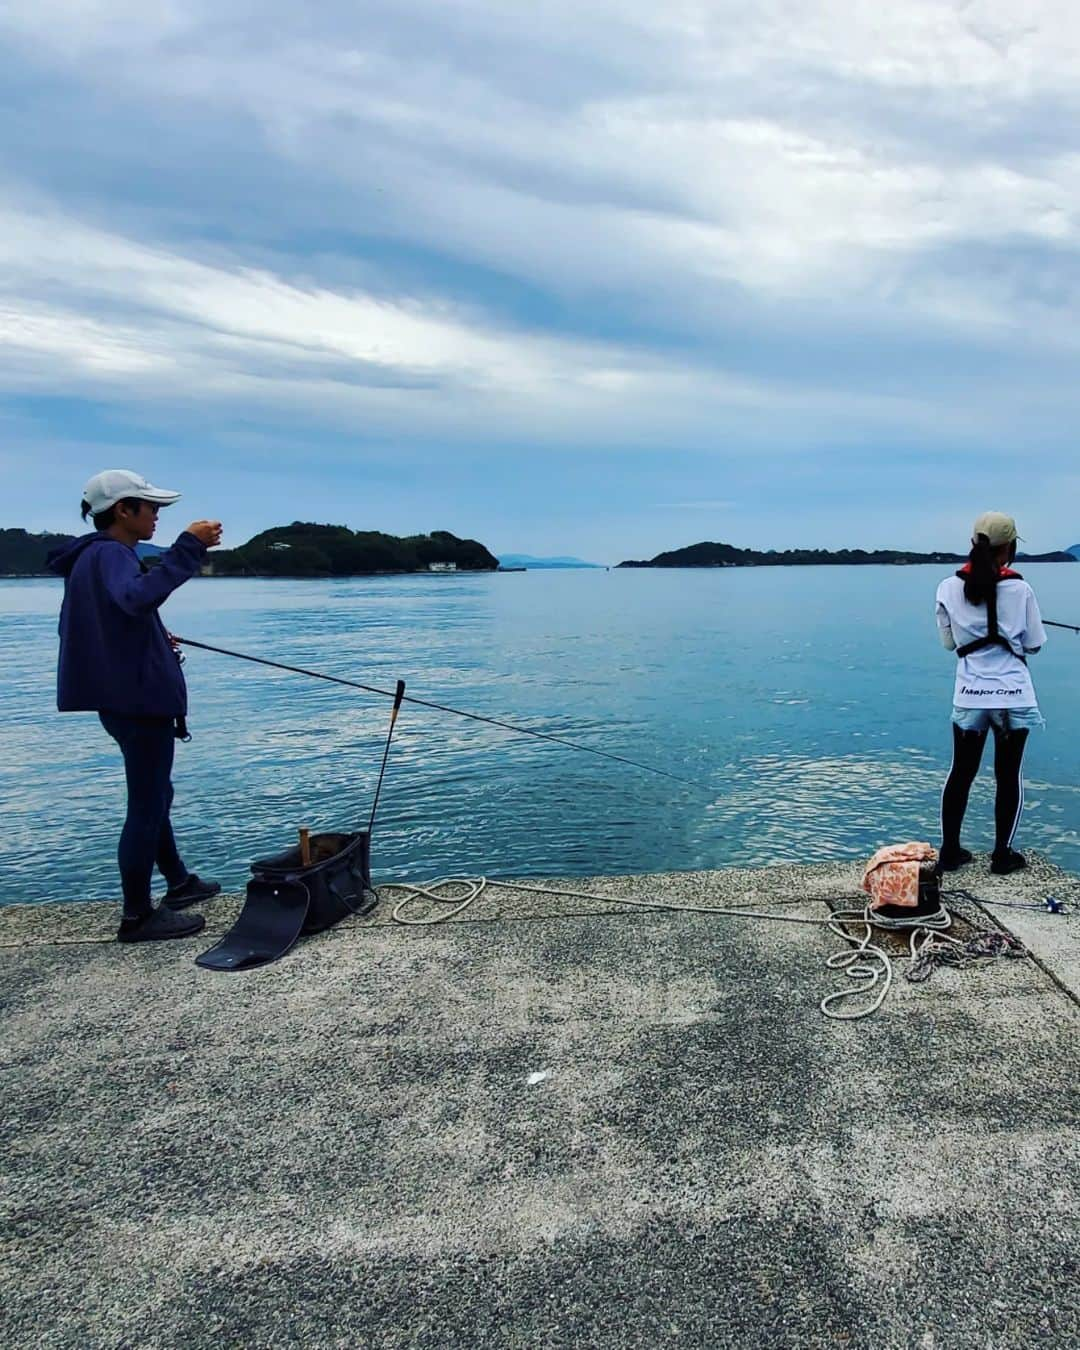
(993, 637)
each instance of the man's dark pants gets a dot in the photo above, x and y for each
(148, 745)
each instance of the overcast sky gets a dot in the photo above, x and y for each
(601, 277)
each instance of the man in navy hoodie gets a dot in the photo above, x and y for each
(116, 659)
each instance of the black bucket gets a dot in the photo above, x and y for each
(338, 878)
(285, 899)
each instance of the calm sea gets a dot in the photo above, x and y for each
(811, 703)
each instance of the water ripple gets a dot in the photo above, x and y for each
(808, 746)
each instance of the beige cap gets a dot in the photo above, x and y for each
(998, 528)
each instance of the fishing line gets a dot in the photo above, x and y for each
(443, 707)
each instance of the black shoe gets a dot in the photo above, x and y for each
(190, 891)
(950, 859)
(1001, 864)
(159, 925)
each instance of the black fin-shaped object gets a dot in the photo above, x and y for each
(269, 924)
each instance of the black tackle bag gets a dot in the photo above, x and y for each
(286, 899)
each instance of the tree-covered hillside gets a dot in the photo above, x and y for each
(303, 549)
(23, 554)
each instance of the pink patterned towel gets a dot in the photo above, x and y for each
(892, 874)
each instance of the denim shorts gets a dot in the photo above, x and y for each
(1005, 719)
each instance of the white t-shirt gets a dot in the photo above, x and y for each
(992, 677)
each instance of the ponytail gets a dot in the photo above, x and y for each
(981, 578)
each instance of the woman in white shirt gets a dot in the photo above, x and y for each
(988, 615)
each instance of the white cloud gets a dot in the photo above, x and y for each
(84, 308)
(223, 312)
(851, 175)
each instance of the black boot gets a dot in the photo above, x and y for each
(952, 858)
(190, 891)
(159, 925)
(1004, 861)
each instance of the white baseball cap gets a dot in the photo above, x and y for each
(997, 526)
(112, 486)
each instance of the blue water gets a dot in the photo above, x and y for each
(812, 703)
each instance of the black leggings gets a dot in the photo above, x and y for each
(147, 744)
(1008, 774)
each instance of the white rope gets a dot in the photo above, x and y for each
(854, 961)
(475, 887)
(868, 966)
(860, 961)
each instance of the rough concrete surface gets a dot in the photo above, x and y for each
(549, 1122)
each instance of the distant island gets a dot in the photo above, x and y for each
(297, 550)
(527, 560)
(727, 555)
(306, 550)
(303, 549)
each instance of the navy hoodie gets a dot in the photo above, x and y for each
(115, 655)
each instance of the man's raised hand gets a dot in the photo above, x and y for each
(208, 532)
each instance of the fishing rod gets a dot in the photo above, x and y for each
(1051, 624)
(399, 696)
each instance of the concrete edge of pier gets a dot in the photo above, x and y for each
(1016, 904)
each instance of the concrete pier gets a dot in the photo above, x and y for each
(549, 1122)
